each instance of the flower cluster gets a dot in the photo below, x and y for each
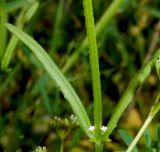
(40, 149)
(63, 126)
(67, 122)
(103, 128)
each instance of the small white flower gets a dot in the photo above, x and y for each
(72, 116)
(44, 148)
(91, 128)
(103, 128)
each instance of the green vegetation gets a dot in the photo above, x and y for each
(101, 57)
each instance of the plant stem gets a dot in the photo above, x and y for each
(94, 63)
(130, 93)
(100, 26)
(154, 110)
(62, 145)
(134, 142)
(98, 146)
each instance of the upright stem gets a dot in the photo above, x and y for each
(134, 142)
(154, 110)
(94, 63)
(98, 146)
(99, 28)
(62, 145)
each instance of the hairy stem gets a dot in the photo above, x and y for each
(94, 63)
(100, 26)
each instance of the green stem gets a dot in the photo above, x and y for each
(98, 146)
(130, 93)
(88, 12)
(2, 27)
(154, 110)
(134, 142)
(62, 145)
(99, 28)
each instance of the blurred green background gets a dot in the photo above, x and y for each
(29, 99)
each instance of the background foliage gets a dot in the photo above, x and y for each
(29, 99)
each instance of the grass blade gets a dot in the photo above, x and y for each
(55, 73)
(16, 4)
(127, 138)
(23, 18)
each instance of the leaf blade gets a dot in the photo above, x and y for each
(127, 138)
(55, 73)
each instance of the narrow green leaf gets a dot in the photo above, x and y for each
(45, 99)
(154, 12)
(31, 11)
(158, 132)
(130, 92)
(9, 53)
(127, 138)
(16, 4)
(55, 73)
(147, 137)
(58, 23)
(24, 17)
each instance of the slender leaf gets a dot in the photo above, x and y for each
(55, 73)
(16, 4)
(57, 36)
(46, 99)
(152, 11)
(127, 138)
(147, 137)
(23, 18)
(158, 132)
(31, 11)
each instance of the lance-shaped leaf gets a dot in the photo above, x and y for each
(66, 88)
